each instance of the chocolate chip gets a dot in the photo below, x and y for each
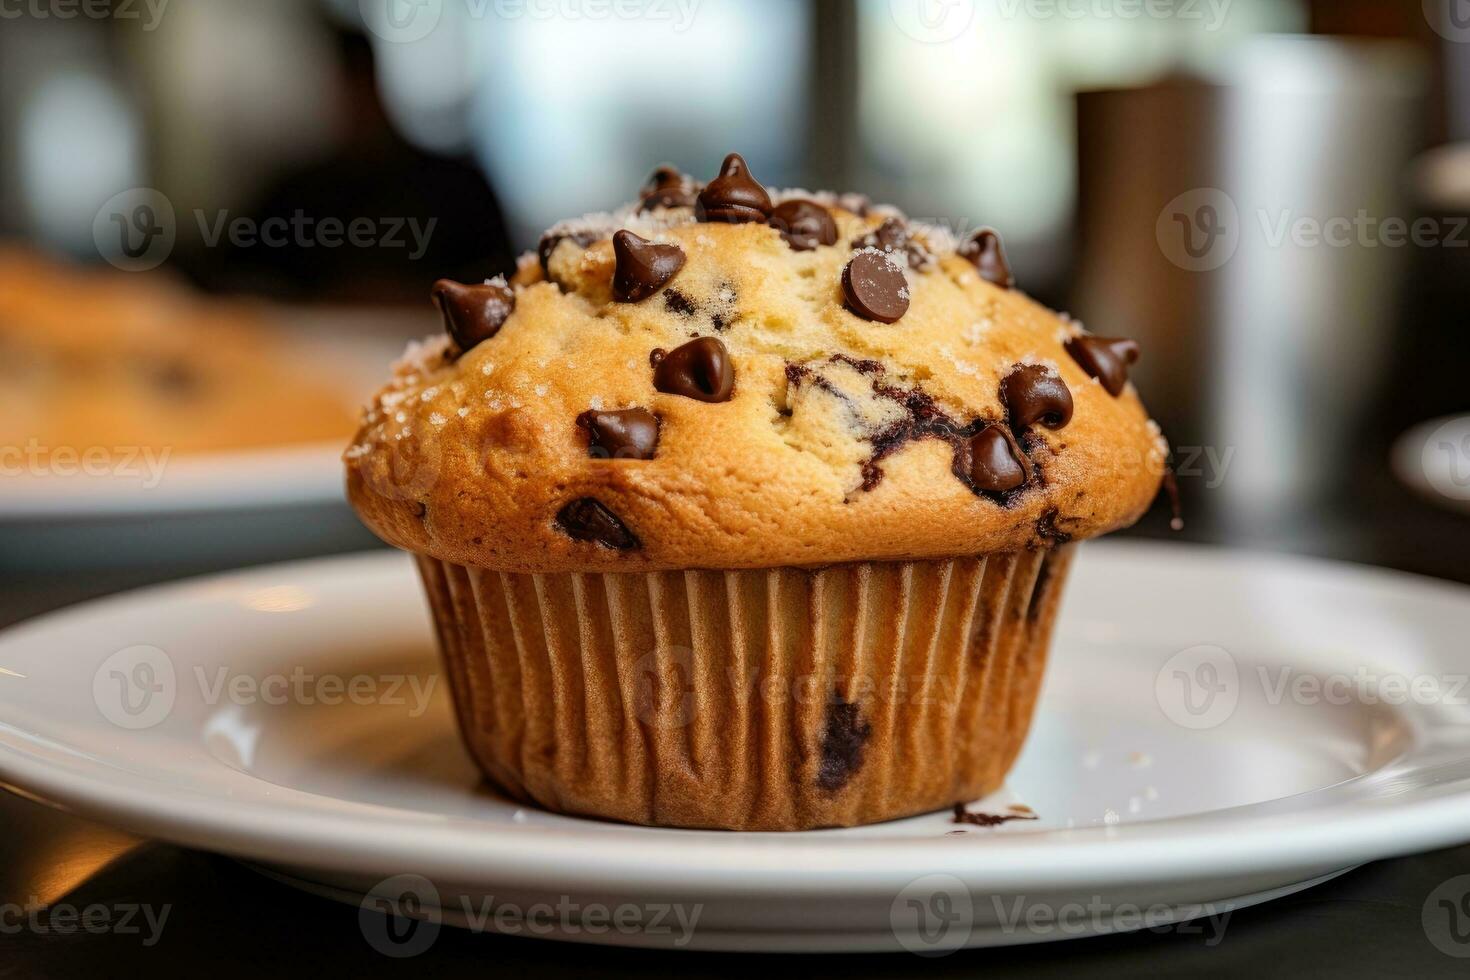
(667, 187)
(631, 433)
(677, 302)
(843, 737)
(551, 240)
(1105, 358)
(734, 196)
(1032, 393)
(996, 462)
(586, 519)
(173, 377)
(473, 313)
(1047, 530)
(642, 266)
(893, 236)
(875, 287)
(700, 369)
(987, 254)
(804, 224)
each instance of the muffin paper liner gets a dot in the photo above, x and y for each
(774, 699)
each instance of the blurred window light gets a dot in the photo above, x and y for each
(970, 121)
(79, 145)
(572, 114)
(569, 104)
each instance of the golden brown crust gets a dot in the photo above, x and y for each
(470, 460)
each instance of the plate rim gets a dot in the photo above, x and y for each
(606, 855)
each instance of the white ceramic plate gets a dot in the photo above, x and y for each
(1434, 459)
(353, 349)
(1181, 763)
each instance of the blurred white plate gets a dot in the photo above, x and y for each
(1181, 765)
(286, 476)
(353, 347)
(1434, 459)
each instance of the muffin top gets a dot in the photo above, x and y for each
(724, 377)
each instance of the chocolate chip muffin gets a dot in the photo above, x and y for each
(750, 509)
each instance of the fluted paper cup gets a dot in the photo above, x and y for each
(777, 699)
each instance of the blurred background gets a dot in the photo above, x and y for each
(1268, 194)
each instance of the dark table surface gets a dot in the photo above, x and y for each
(226, 920)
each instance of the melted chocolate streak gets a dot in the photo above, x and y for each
(926, 420)
(961, 815)
(843, 738)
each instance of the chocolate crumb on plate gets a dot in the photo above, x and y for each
(961, 815)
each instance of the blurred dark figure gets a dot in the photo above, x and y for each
(429, 216)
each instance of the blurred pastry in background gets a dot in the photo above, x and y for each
(94, 358)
